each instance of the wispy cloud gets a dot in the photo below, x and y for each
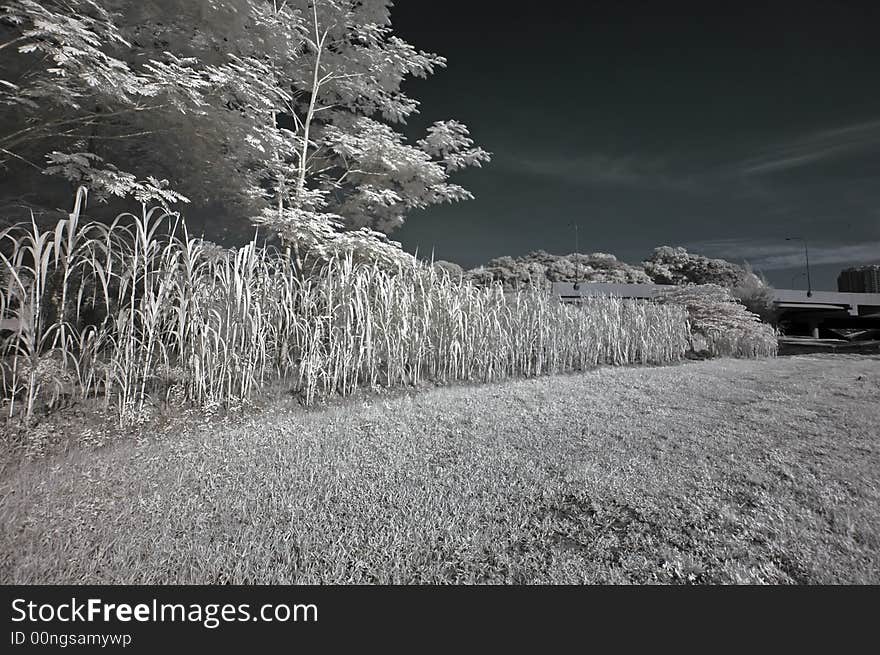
(767, 256)
(814, 147)
(596, 168)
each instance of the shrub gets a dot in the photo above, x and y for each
(454, 271)
(756, 295)
(721, 324)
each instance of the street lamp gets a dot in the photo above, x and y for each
(807, 257)
(577, 264)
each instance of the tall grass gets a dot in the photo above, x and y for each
(139, 309)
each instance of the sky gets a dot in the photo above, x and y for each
(713, 126)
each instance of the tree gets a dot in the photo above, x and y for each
(756, 295)
(68, 93)
(541, 268)
(669, 265)
(720, 325)
(283, 110)
(363, 173)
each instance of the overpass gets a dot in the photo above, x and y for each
(826, 310)
(855, 304)
(821, 309)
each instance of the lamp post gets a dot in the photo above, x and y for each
(577, 263)
(807, 257)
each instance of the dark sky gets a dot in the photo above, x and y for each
(714, 126)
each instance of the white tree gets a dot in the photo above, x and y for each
(282, 109)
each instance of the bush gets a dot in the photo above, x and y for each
(756, 295)
(452, 269)
(720, 325)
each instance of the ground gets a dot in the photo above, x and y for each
(723, 471)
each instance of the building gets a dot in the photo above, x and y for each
(860, 279)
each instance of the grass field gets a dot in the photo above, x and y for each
(721, 471)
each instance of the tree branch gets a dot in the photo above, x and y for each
(19, 157)
(14, 41)
(13, 139)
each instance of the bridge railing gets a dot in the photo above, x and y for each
(855, 303)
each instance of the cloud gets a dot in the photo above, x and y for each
(814, 147)
(767, 256)
(596, 168)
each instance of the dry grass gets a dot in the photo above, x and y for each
(724, 471)
(140, 312)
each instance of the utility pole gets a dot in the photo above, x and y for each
(807, 257)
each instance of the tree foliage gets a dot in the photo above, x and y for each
(720, 324)
(541, 268)
(668, 265)
(284, 110)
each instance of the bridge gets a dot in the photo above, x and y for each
(821, 309)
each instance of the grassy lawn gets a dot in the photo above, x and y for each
(723, 471)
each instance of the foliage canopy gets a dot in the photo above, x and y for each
(283, 110)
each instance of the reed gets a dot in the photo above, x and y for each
(139, 309)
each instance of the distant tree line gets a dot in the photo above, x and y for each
(666, 265)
